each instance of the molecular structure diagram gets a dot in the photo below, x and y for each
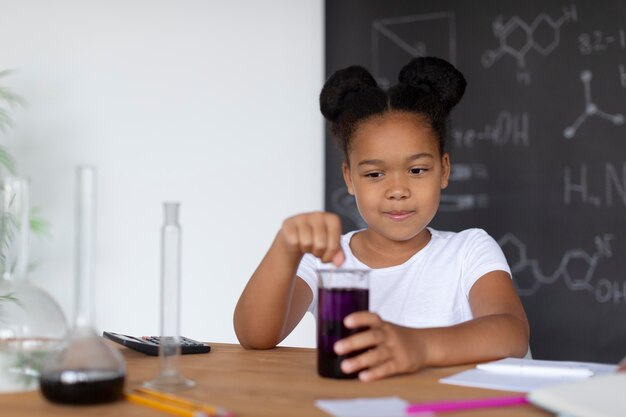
(577, 267)
(517, 27)
(591, 109)
(412, 41)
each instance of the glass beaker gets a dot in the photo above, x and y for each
(341, 292)
(169, 378)
(87, 370)
(32, 326)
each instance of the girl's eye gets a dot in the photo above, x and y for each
(417, 171)
(374, 174)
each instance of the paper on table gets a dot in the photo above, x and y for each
(490, 380)
(367, 407)
(532, 367)
(594, 397)
(515, 381)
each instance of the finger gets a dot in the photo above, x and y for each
(366, 360)
(333, 250)
(362, 319)
(339, 258)
(305, 237)
(332, 246)
(379, 371)
(359, 341)
(319, 237)
(289, 232)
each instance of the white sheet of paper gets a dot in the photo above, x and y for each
(601, 396)
(484, 379)
(521, 383)
(534, 367)
(366, 407)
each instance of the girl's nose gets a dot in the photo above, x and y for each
(398, 188)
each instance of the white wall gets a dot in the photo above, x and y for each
(211, 103)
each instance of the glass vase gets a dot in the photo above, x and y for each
(87, 370)
(32, 325)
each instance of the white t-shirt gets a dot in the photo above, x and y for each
(432, 288)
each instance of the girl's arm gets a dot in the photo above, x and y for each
(499, 329)
(275, 299)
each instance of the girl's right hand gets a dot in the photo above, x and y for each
(318, 233)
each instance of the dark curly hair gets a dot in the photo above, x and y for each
(427, 86)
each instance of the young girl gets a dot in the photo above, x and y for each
(436, 298)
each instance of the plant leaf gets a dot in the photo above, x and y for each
(6, 160)
(11, 98)
(5, 120)
(10, 297)
(38, 224)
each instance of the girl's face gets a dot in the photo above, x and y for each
(396, 174)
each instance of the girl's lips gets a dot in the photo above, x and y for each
(398, 215)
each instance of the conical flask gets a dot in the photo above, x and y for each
(169, 378)
(32, 325)
(87, 370)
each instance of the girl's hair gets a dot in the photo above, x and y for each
(429, 87)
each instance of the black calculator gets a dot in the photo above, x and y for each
(150, 344)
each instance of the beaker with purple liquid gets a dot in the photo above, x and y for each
(341, 292)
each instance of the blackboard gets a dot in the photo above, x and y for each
(538, 146)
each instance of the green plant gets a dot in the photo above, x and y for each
(8, 100)
(10, 298)
(27, 363)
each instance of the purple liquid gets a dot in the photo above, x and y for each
(334, 304)
(82, 386)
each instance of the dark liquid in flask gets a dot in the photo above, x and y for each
(82, 386)
(334, 304)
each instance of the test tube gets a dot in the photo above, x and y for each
(170, 379)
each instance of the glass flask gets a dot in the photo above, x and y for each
(169, 378)
(32, 326)
(87, 370)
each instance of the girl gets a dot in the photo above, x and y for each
(436, 298)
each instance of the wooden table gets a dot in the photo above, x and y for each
(281, 382)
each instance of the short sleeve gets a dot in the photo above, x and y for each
(306, 271)
(483, 255)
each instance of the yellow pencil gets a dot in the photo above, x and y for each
(168, 408)
(205, 408)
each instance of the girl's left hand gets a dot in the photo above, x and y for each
(392, 349)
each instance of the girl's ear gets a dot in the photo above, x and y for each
(445, 170)
(346, 177)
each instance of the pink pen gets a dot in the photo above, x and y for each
(444, 406)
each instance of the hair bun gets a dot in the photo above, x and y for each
(340, 88)
(437, 75)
